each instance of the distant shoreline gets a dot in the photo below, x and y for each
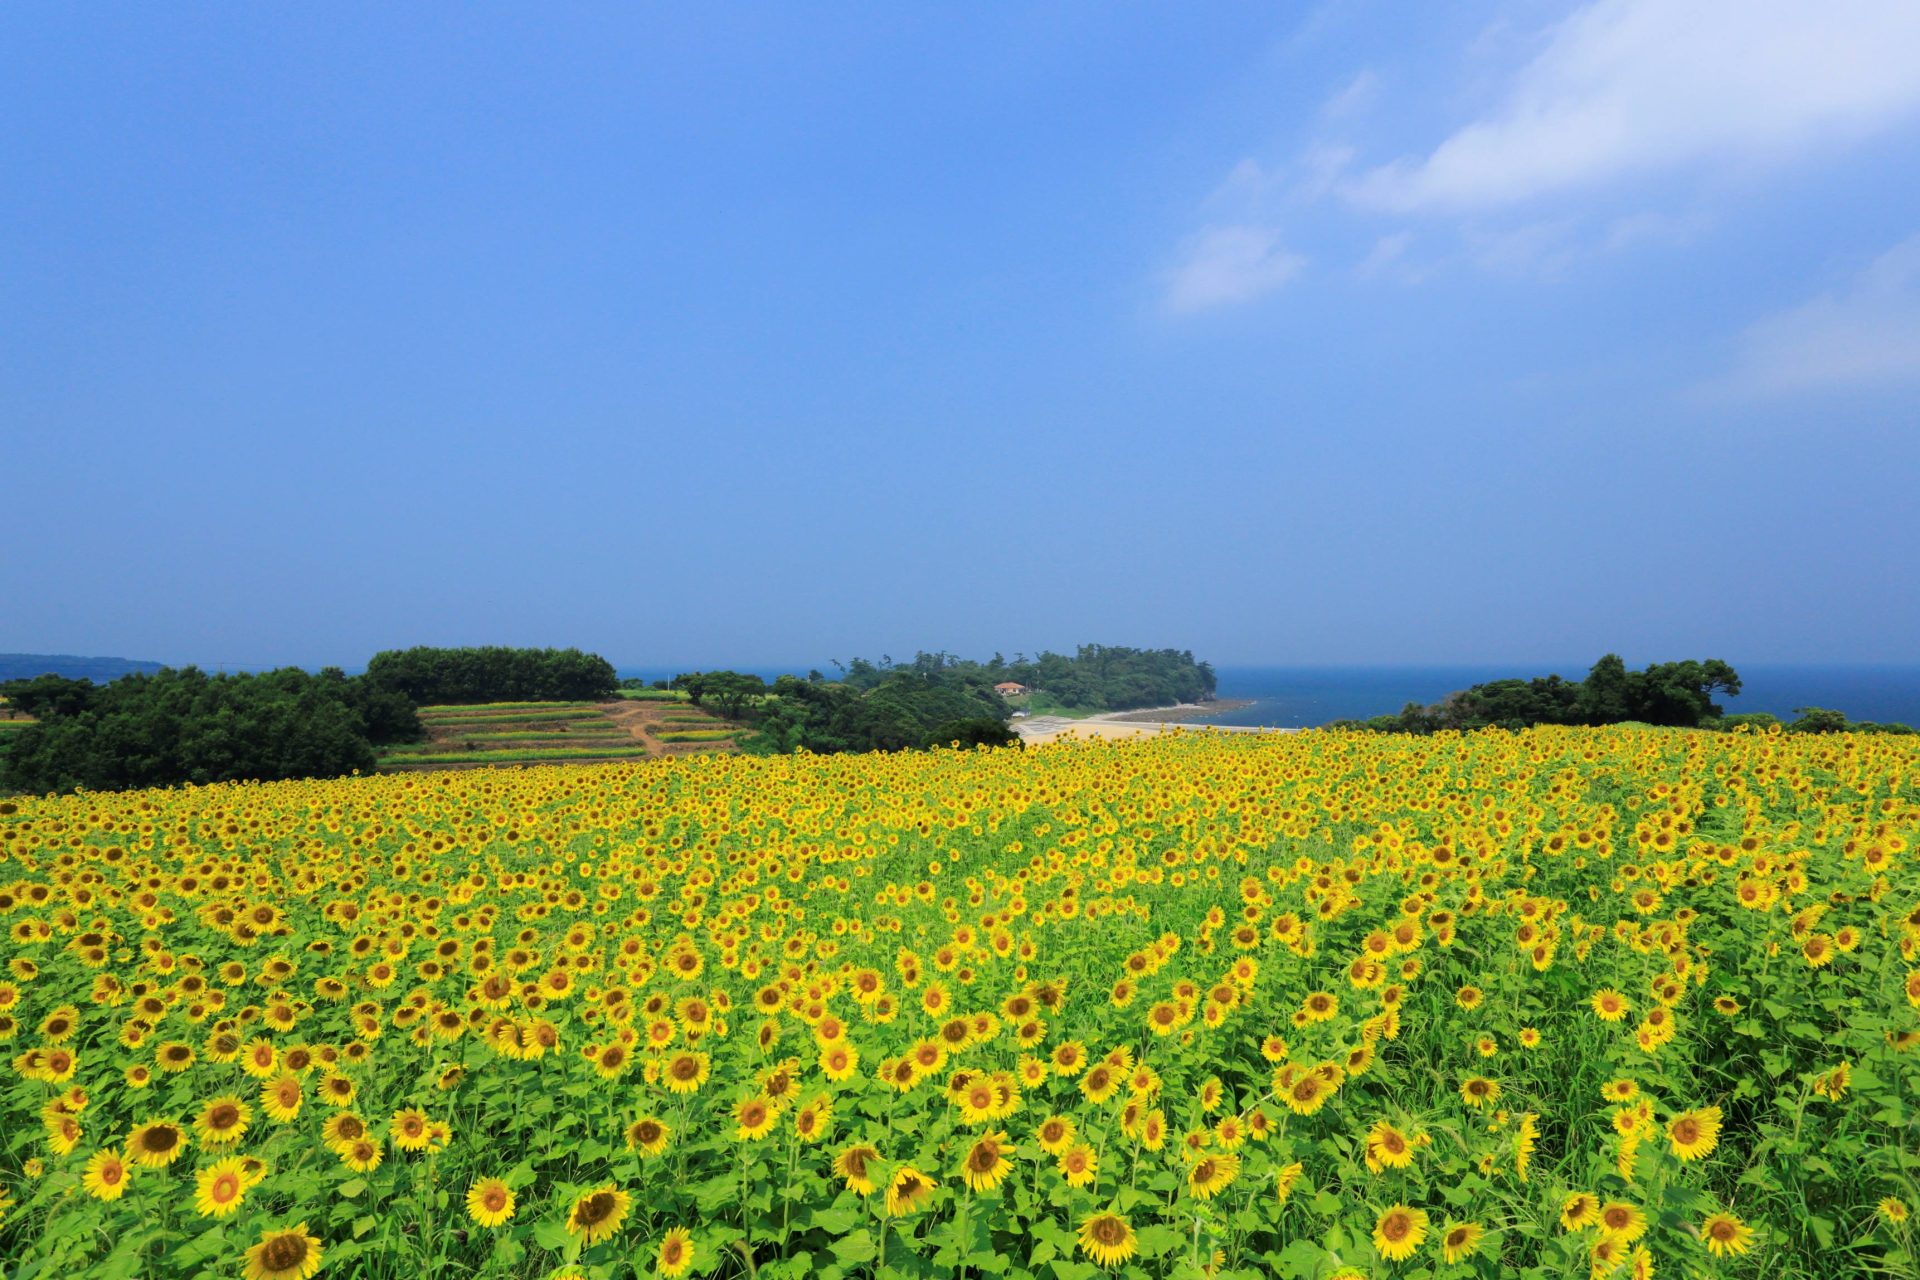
(1145, 722)
(1178, 711)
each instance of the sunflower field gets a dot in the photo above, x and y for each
(1558, 1003)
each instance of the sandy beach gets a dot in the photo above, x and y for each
(1133, 724)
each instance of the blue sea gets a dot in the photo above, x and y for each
(1294, 697)
(1301, 697)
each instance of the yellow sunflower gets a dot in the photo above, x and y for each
(490, 1202)
(289, 1254)
(1107, 1238)
(986, 1164)
(1694, 1134)
(219, 1188)
(855, 1167)
(156, 1144)
(1212, 1174)
(907, 1191)
(648, 1135)
(223, 1121)
(675, 1254)
(105, 1177)
(1399, 1231)
(1458, 1240)
(596, 1214)
(1725, 1235)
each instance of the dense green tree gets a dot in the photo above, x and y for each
(493, 673)
(44, 696)
(731, 694)
(1094, 678)
(1670, 693)
(187, 726)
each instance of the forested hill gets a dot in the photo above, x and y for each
(26, 666)
(1097, 677)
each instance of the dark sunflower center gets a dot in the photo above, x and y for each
(284, 1253)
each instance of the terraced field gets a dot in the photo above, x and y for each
(478, 735)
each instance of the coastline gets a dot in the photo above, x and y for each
(1145, 722)
(1178, 711)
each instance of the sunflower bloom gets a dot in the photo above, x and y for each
(105, 1177)
(290, 1254)
(598, 1213)
(1459, 1240)
(986, 1165)
(908, 1190)
(1107, 1238)
(675, 1254)
(855, 1167)
(219, 1188)
(1399, 1231)
(1694, 1134)
(156, 1144)
(490, 1202)
(1725, 1235)
(1625, 1222)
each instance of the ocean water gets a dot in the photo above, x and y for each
(1301, 697)
(1295, 697)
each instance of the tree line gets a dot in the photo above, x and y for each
(185, 726)
(938, 699)
(903, 711)
(1678, 694)
(493, 673)
(1096, 677)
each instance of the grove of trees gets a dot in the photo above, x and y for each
(938, 698)
(1677, 694)
(179, 726)
(493, 673)
(187, 726)
(1096, 677)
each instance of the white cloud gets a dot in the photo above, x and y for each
(1223, 265)
(1353, 99)
(1867, 335)
(1387, 252)
(1632, 86)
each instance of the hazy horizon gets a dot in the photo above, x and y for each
(1332, 333)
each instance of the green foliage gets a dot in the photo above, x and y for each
(731, 693)
(907, 710)
(1821, 720)
(1671, 694)
(187, 726)
(494, 673)
(45, 696)
(1096, 678)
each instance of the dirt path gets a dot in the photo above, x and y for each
(636, 717)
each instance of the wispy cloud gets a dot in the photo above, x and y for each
(1624, 87)
(1866, 335)
(1224, 265)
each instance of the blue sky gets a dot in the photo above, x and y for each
(1344, 332)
